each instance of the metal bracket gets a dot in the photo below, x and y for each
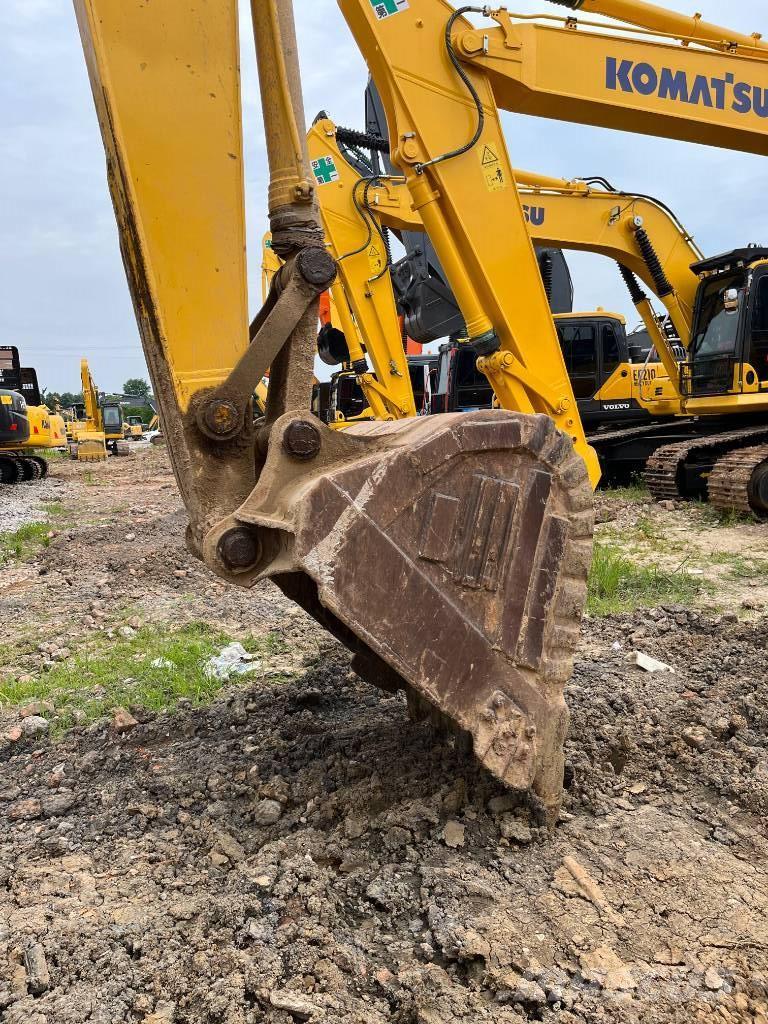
(221, 413)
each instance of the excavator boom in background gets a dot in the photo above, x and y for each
(100, 427)
(689, 85)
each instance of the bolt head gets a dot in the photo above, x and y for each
(221, 417)
(316, 266)
(239, 548)
(301, 440)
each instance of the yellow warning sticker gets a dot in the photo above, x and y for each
(493, 172)
(6, 400)
(376, 259)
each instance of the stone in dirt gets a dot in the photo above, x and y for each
(36, 966)
(515, 830)
(696, 737)
(123, 721)
(25, 810)
(37, 707)
(603, 967)
(298, 1006)
(230, 847)
(165, 1013)
(453, 834)
(34, 725)
(712, 980)
(267, 812)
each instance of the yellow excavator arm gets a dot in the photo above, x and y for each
(638, 232)
(90, 397)
(442, 81)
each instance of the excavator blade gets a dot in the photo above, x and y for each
(450, 554)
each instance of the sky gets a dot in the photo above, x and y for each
(62, 289)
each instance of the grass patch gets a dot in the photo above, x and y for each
(55, 454)
(727, 517)
(25, 541)
(107, 674)
(635, 492)
(740, 567)
(265, 644)
(616, 584)
(29, 538)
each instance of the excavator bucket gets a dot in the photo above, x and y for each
(90, 447)
(450, 554)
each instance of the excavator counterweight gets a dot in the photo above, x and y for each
(448, 553)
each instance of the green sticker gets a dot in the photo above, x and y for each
(324, 170)
(385, 8)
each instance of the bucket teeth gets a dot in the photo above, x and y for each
(450, 555)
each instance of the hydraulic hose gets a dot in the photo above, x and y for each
(633, 285)
(451, 154)
(652, 261)
(362, 140)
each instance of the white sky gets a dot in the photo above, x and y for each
(62, 288)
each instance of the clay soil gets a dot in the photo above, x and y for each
(297, 850)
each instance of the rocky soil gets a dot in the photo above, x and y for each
(299, 851)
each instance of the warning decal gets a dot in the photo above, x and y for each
(325, 170)
(493, 173)
(384, 8)
(375, 260)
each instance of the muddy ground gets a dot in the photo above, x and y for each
(298, 850)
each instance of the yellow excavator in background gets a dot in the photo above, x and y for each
(133, 428)
(24, 458)
(98, 427)
(699, 91)
(358, 213)
(475, 526)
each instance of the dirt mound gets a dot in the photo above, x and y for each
(299, 850)
(303, 852)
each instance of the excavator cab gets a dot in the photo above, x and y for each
(729, 347)
(14, 423)
(614, 381)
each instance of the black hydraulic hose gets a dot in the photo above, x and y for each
(546, 269)
(362, 140)
(652, 261)
(366, 183)
(633, 285)
(470, 87)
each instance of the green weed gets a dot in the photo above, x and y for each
(616, 584)
(106, 674)
(635, 492)
(24, 542)
(21, 543)
(726, 517)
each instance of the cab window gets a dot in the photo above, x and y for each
(611, 350)
(579, 345)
